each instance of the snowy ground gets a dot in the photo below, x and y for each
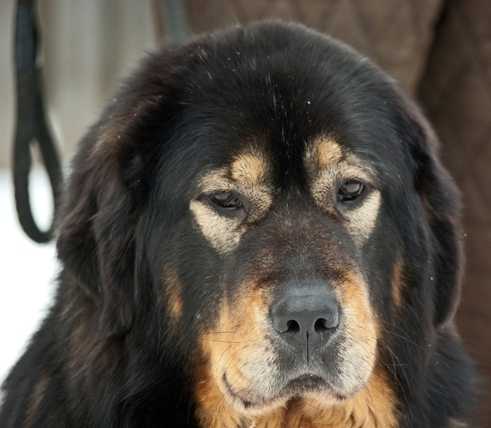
(28, 270)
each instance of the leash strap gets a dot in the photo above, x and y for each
(31, 123)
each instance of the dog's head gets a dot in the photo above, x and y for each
(265, 204)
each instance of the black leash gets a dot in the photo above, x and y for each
(31, 124)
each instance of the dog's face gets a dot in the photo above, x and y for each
(282, 203)
(293, 313)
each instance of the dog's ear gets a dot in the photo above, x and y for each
(441, 201)
(107, 190)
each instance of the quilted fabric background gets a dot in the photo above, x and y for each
(395, 33)
(456, 91)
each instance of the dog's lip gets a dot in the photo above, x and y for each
(305, 383)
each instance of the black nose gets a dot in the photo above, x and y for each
(306, 315)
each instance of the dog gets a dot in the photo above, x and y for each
(258, 232)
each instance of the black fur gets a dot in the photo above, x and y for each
(105, 356)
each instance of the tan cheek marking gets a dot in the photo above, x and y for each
(354, 295)
(249, 167)
(358, 352)
(235, 346)
(397, 284)
(221, 232)
(213, 410)
(173, 290)
(36, 399)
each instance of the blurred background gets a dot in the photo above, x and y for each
(439, 50)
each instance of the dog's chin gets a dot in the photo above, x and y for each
(249, 401)
(308, 386)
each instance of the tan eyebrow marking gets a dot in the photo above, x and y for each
(324, 155)
(249, 167)
(324, 152)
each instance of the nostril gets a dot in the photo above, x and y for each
(292, 326)
(321, 325)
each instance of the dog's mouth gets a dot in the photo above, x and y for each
(299, 386)
(306, 383)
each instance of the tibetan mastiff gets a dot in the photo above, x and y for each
(258, 232)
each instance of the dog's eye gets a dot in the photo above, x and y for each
(350, 191)
(226, 201)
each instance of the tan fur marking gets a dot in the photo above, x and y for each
(324, 152)
(372, 407)
(258, 194)
(249, 167)
(234, 347)
(247, 175)
(323, 182)
(358, 352)
(221, 232)
(216, 180)
(173, 289)
(213, 411)
(327, 165)
(36, 400)
(397, 284)
(363, 219)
